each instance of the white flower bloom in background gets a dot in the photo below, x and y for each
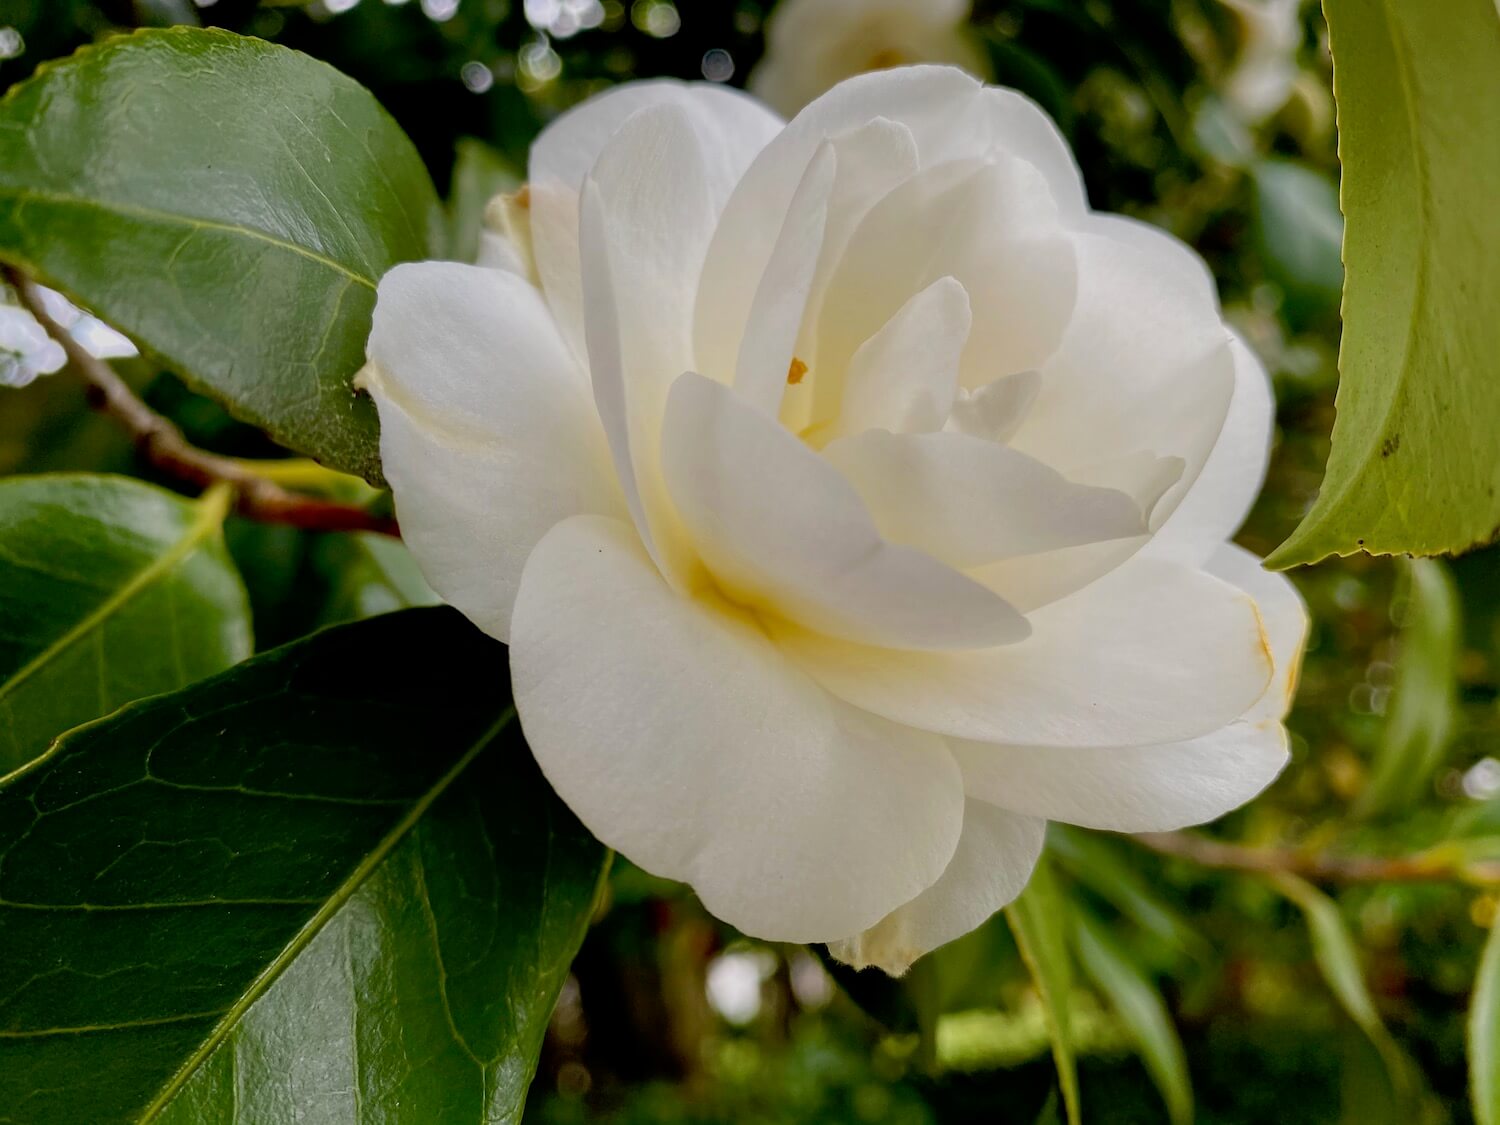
(1265, 70)
(26, 350)
(852, 498)
(813, 45)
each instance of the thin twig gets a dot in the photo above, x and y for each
(1436, 865)
(163, 445)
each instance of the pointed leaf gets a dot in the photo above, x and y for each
(331, 877)
(1414, 466)
(1134, 998)
(1484, 1034)
(230, 205)
(110, 590)
(1039, 921)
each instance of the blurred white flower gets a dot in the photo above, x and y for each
(1265, 70)
(26, 350)
(812, 45)
(853, 499)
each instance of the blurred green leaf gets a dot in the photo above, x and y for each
(110, 590)
(1135, 999)
(1414, 466)
(230, 205)
(479, 174)
(1337, 957)
(368, 574)
(1040, 921)
(329, 879)
(1300, 231)
(1424, 699)
(1484, 1034)
(1096, 861)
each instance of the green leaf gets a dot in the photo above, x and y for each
(479, 174)
(1039, 921)
(1424, 699)
(1414, 466)
(1337, 958)
(110, 590)
(230, 205)
(1484, 1035)
(328, 881)
(1299, 229)
(368, 574)
(1139, 1005)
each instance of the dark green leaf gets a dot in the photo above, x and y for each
(230, 205)
(1484, 1035)
(1039, 920)
(479, 174)
(110, 590)
(1299, 228)
(1414, 466)
(1424, 699)
(1139, 1005)
(328, 885)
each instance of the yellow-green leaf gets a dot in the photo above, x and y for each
(1484, 1035)
(1039, 921)
(1415, 467)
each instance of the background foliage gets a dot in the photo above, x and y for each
(1157, 986)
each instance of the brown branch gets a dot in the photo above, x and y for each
(162, 444)
(1436, 865)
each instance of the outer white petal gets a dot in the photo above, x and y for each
(680, 736)
(647, 215)
(487, 433)
(1215, 505)
(996, 855)
(783, 532)
(731, 129)
(1152, 652)
(1144, 365)
(1284, 615)
(904, 377)
(969, 501)
(1129, 788)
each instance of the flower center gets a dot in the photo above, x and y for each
(795, 372)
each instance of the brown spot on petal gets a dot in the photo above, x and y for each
(523, 196)
(886, 58)
(795, 372)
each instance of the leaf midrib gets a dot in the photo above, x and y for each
(208, 517)
(331, 906)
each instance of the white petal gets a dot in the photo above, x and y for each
(487, 434)
(647, 214)
(1282, 612)
(1152, 652)
(969, 501)
(1144, 366)
(1217, 502)
(776, 313)
(781, 531)
(1129, 788)
(995, 410)
(904, 377)
(1021, 128)
(680, 737)
(996, 855)
(990, 224)
(731, 129)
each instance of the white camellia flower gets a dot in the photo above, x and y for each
(813, 45)
(853, 499)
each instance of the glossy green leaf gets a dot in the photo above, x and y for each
(1135, 999)
(479, 174)
(1484, 1035)
(230, 205)
(329, 885)
(1414, 467)
(110, 590)
(1039, 919)
(1424, 699)
(1299, 231)
(1337, 957)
